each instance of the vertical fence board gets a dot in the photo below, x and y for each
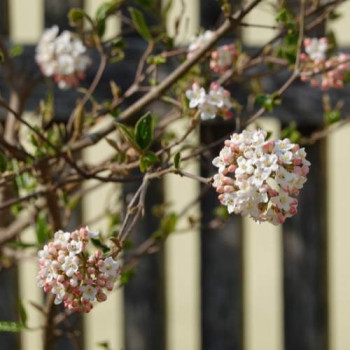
(113, 23)
(188, 15)
(261, 14)
(4, 17)
(105, 323)
(56, 12)
(304, 240)
(183, 261)
(26, 20)
(28, 289)
(8, 307)
(262, 278)
(144, 303)
(30, 292)
(221, 265)
(340, 27)
(339, 238)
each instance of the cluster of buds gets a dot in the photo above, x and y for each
(216, 102)
(62, 57)
(198, 42)
(222, 58)
(76, 278)
(260, 178)
(319, 70)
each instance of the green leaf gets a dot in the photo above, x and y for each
(42, 229)
(128, 134)
(11, 327)
(98, 244)
(104, 345)
(126, 276)
(140, 23)
(222, 212)
(148, 160)
(146, 3)
(167, 226)
(16, 50)
(23, 314)
(332, 117)
(3, 162)
(177, 159)
(144, 131)
(75, 16)
(291, 132)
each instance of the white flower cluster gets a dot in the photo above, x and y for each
(217, 101)
(316, 48)
(260, 177)
(198, 42)
(76, 279)
(62, 57)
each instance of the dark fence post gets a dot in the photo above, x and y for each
(305, 262)
(56, 12)
(221, 266)
(144, 304)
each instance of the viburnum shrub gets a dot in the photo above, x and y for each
(62, 57)
(143, 79)
(260, 178)
(321, 70)
(76, 277)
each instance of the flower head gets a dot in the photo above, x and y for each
(260, 178)
(62, 57)
(76, 278)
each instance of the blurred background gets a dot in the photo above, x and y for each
(231, 286)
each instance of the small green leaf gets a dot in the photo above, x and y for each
(126, 276)
(291, 132)
(42, 229)
(177, 159)
(140, 23)
(23, 314)
(3, 162)
(75, 16)
(148, 160)
(16, 50)
(332, 117)
(167, 226)
(11, 327)
(222, 212)
(98, 244)
(128, 134)
(104, 345)
(144, 131)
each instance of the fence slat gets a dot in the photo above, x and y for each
(304, 240)
(144, 303)
(4, 18)
(262, 278)
(56, 12)
(105, 322)
(339, 238)
(183, 261)
(8, 307)
(30, 292)
(261, 14)
(220, 249)
(188, 15)
(26, 21)
(113, 24)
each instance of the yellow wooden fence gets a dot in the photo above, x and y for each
(263, 276)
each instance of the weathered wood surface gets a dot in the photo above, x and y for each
(144, 304)
(305, 262)
(221, 267)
